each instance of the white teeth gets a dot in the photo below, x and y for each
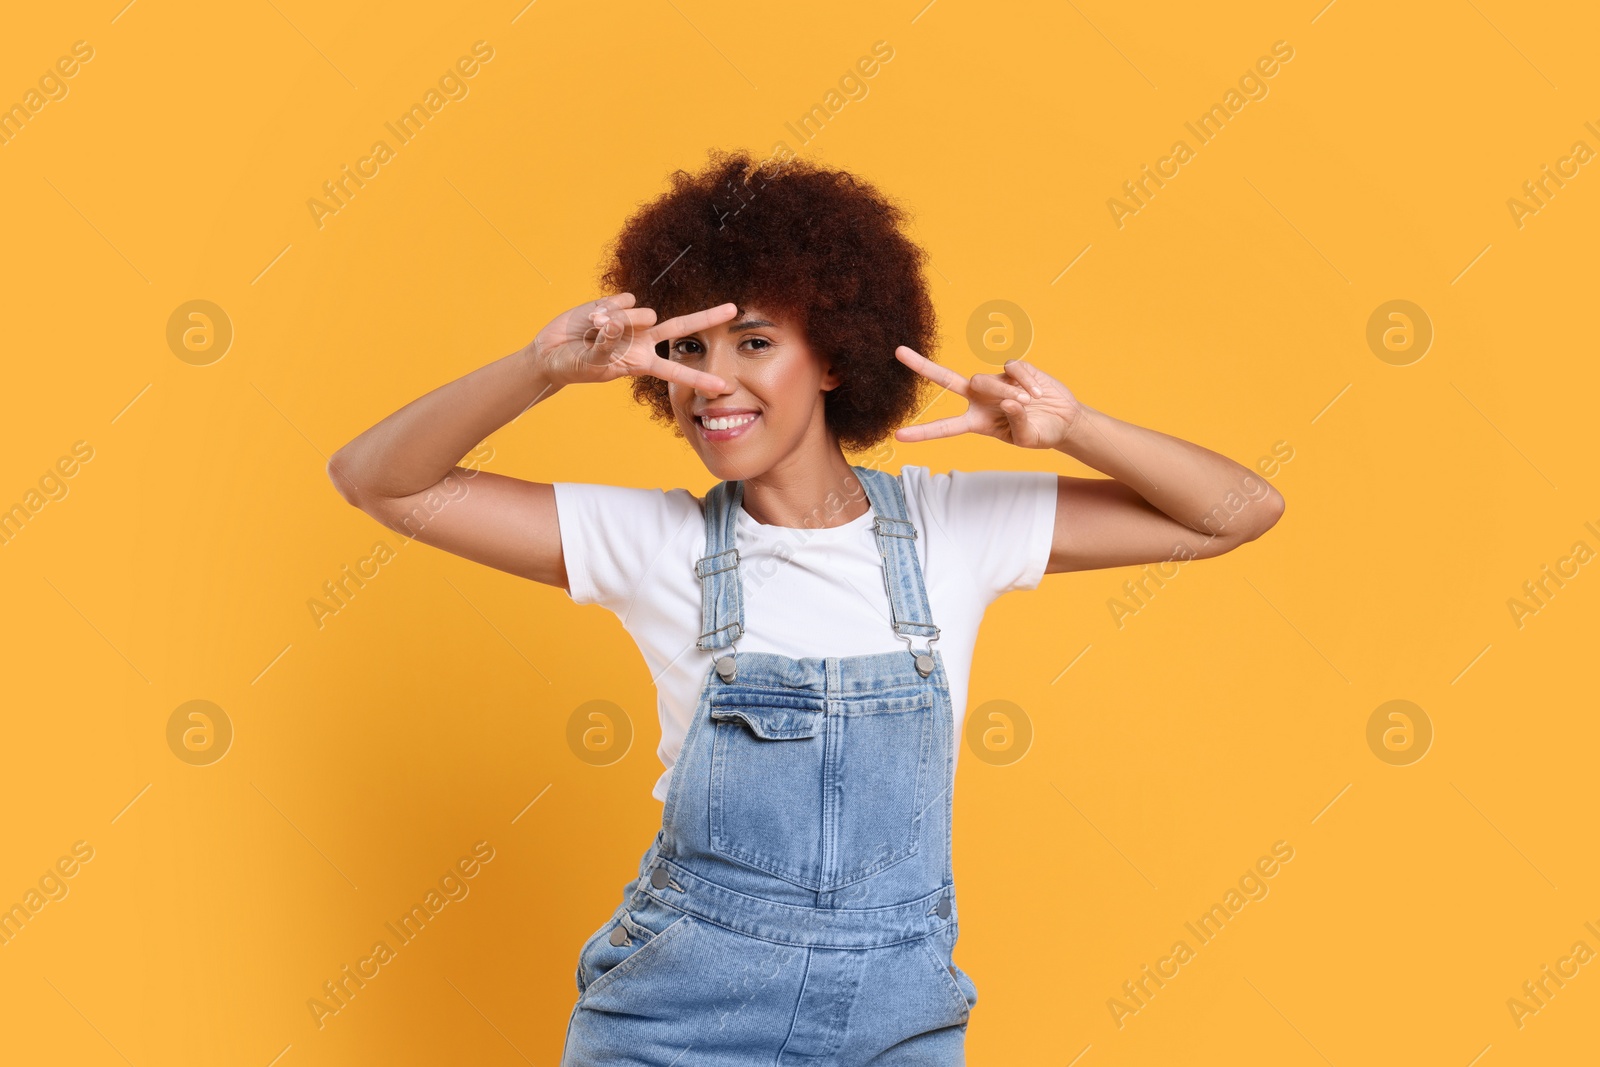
(726, 423)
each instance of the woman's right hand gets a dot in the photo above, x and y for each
(608, 338)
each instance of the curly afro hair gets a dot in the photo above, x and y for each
(820, 247)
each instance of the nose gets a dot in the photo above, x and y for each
(722, 361)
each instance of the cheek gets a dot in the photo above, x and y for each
(788, 385)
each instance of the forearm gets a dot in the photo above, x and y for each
(418, 445)
(1204, 490)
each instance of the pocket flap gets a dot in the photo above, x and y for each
(772, 722)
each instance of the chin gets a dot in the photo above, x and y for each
(733, 468)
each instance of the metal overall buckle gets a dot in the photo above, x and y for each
(728, 665)
(924, 660)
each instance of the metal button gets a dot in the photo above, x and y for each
(924, 664)
(619, 936)
(944, 907)
(726, 668)
(658, 877)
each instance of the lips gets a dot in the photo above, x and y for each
(731, 432)
(720, 413)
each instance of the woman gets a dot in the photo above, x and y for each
(797, 904)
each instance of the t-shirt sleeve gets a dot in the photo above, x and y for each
(611, 537)
(1001, 522)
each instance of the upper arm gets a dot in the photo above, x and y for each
(507, 523)
(1102, 522)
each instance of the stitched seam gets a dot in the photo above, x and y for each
(798, 1001)
(949, 980)
(742, 932)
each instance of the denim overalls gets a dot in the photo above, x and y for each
(797, 905)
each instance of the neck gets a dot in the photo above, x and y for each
(807, 491)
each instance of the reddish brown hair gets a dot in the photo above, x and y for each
(820, 247)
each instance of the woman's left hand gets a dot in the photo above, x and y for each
(1022, 406)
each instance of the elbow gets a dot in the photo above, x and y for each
(342, 481)
(1270, 509)
(1255, 520)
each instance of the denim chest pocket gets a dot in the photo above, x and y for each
(821, 793)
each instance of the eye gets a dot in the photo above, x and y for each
(762, 341)
(677, 349)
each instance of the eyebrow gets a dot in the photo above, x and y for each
(747, 324)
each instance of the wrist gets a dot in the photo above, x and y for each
(1076, 428)
(535, 371)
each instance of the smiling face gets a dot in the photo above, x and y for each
(772, 410)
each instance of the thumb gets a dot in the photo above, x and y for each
(1016, 413)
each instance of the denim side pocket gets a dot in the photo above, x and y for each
(963, 992)
(581, 975)
(626, 942)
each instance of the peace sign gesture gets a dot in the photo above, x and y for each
(1023, 406)
(608, 338)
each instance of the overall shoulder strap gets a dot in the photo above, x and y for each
(902, 571)
(721, 594)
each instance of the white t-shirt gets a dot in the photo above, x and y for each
(633, 551)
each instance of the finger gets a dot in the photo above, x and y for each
(669, 371)
(1030, 376)
(615, 301)
(928, 431)
(603, 331)
(931, 370)
(582, 317)
(683, 325)
(635, 317)
(613, 324)
(997, 387)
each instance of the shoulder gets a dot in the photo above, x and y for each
(921, 484)
(972, 490)
(613, 535)
(1001, 522)
(597, 497)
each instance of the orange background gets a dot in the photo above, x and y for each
(369, 754)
